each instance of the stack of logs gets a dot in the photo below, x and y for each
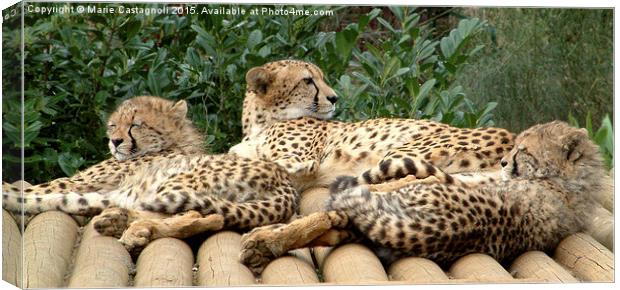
(58, 252)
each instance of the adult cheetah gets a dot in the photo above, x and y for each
(284, 114)
(159, 166)
(544, 194)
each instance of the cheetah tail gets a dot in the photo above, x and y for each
(393, 169)
(343, 183)
(72, 203)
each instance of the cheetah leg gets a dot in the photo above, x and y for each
(114, 221)
(398, 183)
(176, 195)
(263, 244)
(142, 231)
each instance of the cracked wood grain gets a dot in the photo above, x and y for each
(48, 244)
(586, 258)
(11, 250)
(537, 265)
(289, 270)
(165, 262)
(101, 262)
(218, 262)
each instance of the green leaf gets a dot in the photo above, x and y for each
(589, 123)
(131, 28)
(426, 88)
(572, 120)
(345, 41)
(447, 45)
(264, 51)
(254, 38)
(69, 162)
(391, 67)
(153, 84)
(386, 25)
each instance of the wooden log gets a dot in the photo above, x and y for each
(444, 282)
(320, 255)
(303, 255)
(218, 262)
(296, 269)
(313, 200)
(48, 243)
(11, 250)
(416, 270)
(101, 262)
(606, 198)
(479, 267)
(586, 258)
(289, 270)
(537, 265)
(165, 262)
(601, 227)
(353, 264)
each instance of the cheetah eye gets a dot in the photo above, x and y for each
(308, 80)
(111, 126)
(135, 125)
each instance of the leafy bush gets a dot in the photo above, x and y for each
(406, 74)
(78, 67)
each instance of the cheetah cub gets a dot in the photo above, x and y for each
(159, 166)
(285, 114)
(543, 195)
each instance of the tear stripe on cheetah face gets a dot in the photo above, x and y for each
(245, 192)
(147, 124)
(315, 151)
(532, 211)
(284, 90)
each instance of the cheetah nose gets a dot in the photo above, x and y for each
(117, 142)
(332, 99)
(504, 163)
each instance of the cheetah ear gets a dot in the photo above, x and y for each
(572, 144)
(179, 109)
(258, 79)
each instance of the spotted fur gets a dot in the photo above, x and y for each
(544, 195)
(315, 150)
(159, 166)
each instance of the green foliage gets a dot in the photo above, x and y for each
(540, 63)
(603, 137)
(405, 74)
(78, 67)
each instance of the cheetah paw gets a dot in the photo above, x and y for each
(111, 222)
(260, 246)
(137, 236)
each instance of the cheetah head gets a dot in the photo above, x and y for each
(146, 124)
(284, 90)
(551, 151)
